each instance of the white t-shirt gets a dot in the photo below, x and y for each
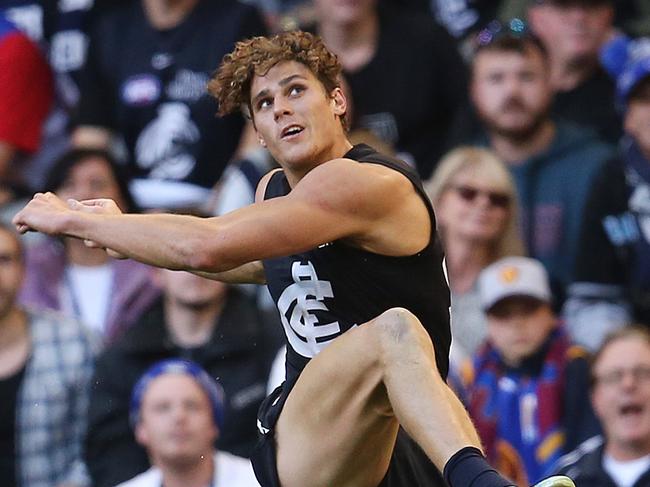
(625, 474)
(86, 294)
(231, 471)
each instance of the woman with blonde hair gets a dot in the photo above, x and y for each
(475, 201)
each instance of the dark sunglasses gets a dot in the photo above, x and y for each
(499, 200)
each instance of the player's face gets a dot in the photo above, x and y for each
(11, 272)
(473, 208)
(572, 32)
(176, 423)
(296, 119)
(518, 327)
(511, 91)
(621, 394)
(88, 179)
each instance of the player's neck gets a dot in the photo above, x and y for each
(294, 173)
(167, 14)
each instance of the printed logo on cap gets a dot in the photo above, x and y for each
(509, 274)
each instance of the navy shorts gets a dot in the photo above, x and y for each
(409, 466)
(264, 453)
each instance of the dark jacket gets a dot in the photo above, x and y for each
(238, 355)
(612, 274)
(585, 466)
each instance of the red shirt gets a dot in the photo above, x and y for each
(26, 91)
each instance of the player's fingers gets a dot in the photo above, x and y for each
(22, 229)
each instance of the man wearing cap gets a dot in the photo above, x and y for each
(612, 275)
(526, 389)
(176, 413)
(573, 31)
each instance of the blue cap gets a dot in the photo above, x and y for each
(177, 366)
(628, 62)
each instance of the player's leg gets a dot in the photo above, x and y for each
(339, 423)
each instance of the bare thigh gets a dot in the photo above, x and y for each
(337, 428)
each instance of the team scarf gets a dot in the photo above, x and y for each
(518, 412)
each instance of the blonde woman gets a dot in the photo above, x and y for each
(476, 209)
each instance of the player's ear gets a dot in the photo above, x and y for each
(261, 140)
(339, 102)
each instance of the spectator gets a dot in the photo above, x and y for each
(527, 390)
(26, 94)
(148, 65)
(476, 210)
(177, 413)
(60, 28)
(620, 394)
(206, 321)
(65, 275)
(573, 31)
(407, 97)
(553, 163)
(612, 280)
(46, 363)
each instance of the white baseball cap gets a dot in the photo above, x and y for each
(513, 276)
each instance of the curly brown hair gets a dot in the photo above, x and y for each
(231, 85)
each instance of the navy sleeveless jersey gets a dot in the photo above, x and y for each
(325, 291)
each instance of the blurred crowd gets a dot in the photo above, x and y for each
(528, 120)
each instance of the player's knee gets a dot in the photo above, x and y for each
(397, 328)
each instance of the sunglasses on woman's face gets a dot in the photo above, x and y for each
(499, 200)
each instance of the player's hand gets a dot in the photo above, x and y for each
(45, 213)
(103, 206)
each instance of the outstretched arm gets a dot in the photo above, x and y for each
(340, 199)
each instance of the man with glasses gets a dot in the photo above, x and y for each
(621, 398)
